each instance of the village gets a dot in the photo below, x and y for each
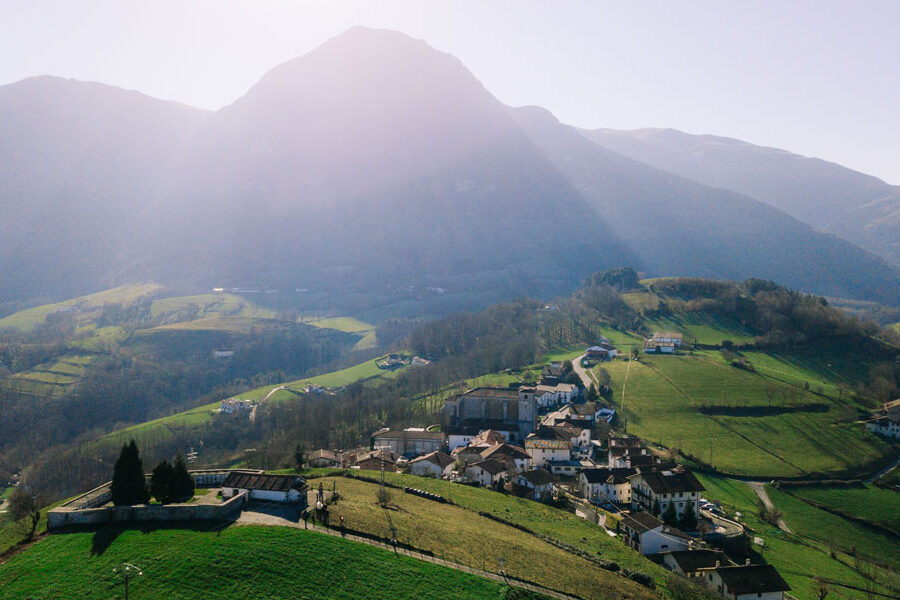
(557, 441)
(548, 444)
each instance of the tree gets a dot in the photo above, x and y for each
(299, 456)
(162, 482)
(591, 395)
(129, 485)
(688, 521)
(567, 367)
(182, 482)
(25, 509)
(670, 518)
(656, 510)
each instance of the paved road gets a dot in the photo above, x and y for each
(272, 517)
(760, 488)
(587, 378)
(883, 471)
(725, 527)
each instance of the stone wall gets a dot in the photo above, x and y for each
(64, 516)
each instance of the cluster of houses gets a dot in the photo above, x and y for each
(886, 420)
(664, 342)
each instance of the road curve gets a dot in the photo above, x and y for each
(760, 488)
(586, 377)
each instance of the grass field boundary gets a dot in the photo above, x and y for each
(836, 511)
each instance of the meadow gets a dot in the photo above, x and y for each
(238, 562)
(801, 559)
(863, 501)
(460, 534)
(741, 422)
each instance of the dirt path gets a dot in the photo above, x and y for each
(587, 378)
(250, 518)
(760, 488)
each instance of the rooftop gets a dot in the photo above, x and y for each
(752, 579)
(257, 481)
(676, 480)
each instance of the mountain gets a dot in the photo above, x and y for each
(857, 207)
(373, 162)
(80, 163)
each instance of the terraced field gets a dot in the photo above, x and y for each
(741, 422)
(52, 378)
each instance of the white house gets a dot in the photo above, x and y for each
(488, 472)
(648, 535)
(886, 421)
(747, 582)
(274, 488)
(548, 444)
(606, 485)
(508, 454)
(677, 487)
(434, 464)
(538, 482)
(694, 564)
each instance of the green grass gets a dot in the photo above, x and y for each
(462, 535)
(863, 501)
(798, 558)
(348, 324)
(836, 531)
(703, 328)
(665, 395)
(28, 319)
(237, 562)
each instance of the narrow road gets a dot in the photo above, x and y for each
(254, 518)
(884, 471)
(760, 488)
(587, 378)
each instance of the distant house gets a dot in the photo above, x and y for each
(694, 564)
(604, 351)
(664, 343)
(677, 487)
(468, 454)
(223, 353)
(508, 454)
(606, 485)
(377, 459)
(408, 442)
(886, 420)
(747, 582)
(235, 405)
(538, 483)
(418, 361)
(490, 472)
(488, 437)
(273, 488)
(434, 464)
(548, 444)
(569, 468)
(324, 458)
(648, 535)
(552, 374)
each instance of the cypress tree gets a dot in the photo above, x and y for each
(670, 518)
(128, 483)
(688, 520)
(162, 482)
(182, 482)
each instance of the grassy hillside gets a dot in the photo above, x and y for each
(800, 558)
(760, 423)
(862, 501)
(28, 319)
(461, 534)
(237, 562)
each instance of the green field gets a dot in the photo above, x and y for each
(28, 319)
(800, 559)
(754, 425)
(348, 324)
(863, 501)
(702, 328)
(460, 534)
(237, 562)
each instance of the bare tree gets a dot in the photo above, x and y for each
(25, 511)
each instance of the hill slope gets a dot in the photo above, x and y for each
(858, 207)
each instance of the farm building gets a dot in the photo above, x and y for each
(886, 421)
(274, 488)
(538, 483)
(434, 464)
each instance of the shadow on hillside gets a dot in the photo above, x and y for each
(106, 534)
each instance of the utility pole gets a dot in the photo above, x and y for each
(127, 571)
(624, 385)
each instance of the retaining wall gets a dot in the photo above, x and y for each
(64, 516)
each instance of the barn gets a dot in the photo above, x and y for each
(259, 486)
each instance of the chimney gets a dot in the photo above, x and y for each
(747, 562)
(718, 564)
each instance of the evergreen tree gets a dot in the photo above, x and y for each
(162, 482)
(299, 457)
(688, 520)
(128, 483)
(670, 518)
(655, 511)
(183, 483)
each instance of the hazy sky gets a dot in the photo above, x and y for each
(820, 78)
